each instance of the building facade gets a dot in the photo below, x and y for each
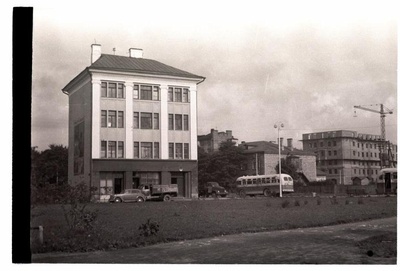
(263, 157)
(132, 121)
(348, 157)
(212, 141)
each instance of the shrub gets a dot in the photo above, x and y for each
(305, 202)
(149, 228)
(319, 201)
(296, 202)
(347, 202)
(334, 200)
(285, 203)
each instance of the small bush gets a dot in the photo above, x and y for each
(319, 201)
(285, 203)
(360, 201)
(149, 228)
(334, 200)
(305, 202)
(296, 202)
(347, 202)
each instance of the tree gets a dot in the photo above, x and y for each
(222, 166)
(288, 168)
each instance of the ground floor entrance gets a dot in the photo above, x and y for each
(113, 177)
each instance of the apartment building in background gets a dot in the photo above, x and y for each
(212, 141)
(132, 121)
(348, 157)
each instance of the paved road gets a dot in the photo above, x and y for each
(322, 245)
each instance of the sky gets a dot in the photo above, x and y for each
(305, 63)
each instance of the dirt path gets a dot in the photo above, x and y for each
(322, 245)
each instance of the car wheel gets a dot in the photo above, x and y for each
(140, 199)
(266, 193)
(118, 200)
(167, 198)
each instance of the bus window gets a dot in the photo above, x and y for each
(263, 181)
(239, 182)
(268, 180)
(286, 178)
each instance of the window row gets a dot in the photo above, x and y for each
(321, 144)
(146, 120)
(112, 119)
(330, 153)
(146, 150)
(144, 92)
(112, 149)
(178, 122)
(178, 94)
(112, 90)
(369, 171)
(366, 154)
(178, 151)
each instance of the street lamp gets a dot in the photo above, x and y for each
(279, 125)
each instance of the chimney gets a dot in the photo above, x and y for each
(96, 52)
(290, 143)
(135, 52)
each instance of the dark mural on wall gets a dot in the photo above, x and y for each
(78, 149)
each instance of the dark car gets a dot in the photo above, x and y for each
(129, 195)
(213, 189)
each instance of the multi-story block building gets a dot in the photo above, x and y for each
(132, 121)
(212, 141)
(347, 156)
(263, 158)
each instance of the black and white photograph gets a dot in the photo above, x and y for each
(206, 134)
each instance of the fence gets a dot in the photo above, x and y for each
(336, 189)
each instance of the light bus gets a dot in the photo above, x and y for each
(267, 185)
(387, 180)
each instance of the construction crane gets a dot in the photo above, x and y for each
(383, 112)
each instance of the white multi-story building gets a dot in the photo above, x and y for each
(132, 121)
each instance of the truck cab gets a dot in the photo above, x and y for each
(213, 189)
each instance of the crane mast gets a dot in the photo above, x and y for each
(384, 145)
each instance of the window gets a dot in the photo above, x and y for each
(322, 154)
(329, 143)
(186, 150)
(321, 144)
(156, 150)
(334, 143)
(146, 92)
(170, 121)
(120, 149)
(170, 94)
(112, 151)
(354, 153)
(120, 119)
(171, 150)
(112, 90)
(329, 153)
(136, 92)
(120, 91)
(103, 118)
(334, 152)
(315, 144)
(156, 93)
(135, 149)
(185, 95)
(178, 151)
(103, 149)
(146, 150)
(112, 119)
(103, 89)
(146, 121)
(186, 122)
(136, 120)
(178, 95)
(178, 122)
(156, 121)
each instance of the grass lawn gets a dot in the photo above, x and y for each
(117, 225)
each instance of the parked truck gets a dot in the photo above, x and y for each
(159, 191)
(212, 189)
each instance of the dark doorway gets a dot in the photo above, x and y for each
(135, 182)
(388, 183)
(118, 185)
(179, 179)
